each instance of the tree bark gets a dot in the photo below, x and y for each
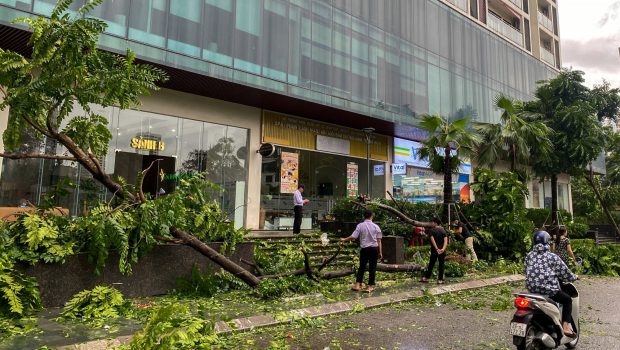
(227, 264)
(590, 179)
(554, 200)
(447, 184)
(328, 275)
(513, 158)
(404, 218)
(399, 268)
(36, 156)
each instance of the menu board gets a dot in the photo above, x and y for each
(289, 172)
(352, 179)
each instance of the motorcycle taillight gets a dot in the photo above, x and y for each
(522, 303)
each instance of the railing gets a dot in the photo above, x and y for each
(547, 56)
(499, 25)
(462, 4)
(519, 3)
(545, 21)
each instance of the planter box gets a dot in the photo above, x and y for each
(338, 227)
(156, 273)
(393, 249)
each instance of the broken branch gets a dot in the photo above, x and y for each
(35, 155)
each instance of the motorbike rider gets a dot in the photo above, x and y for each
(544, 271)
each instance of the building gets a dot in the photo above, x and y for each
(305, 76)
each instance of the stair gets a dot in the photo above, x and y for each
(607, 238)
(318, 252)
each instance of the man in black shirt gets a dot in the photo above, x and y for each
(461, 232)
(439, 243)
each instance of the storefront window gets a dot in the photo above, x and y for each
(176, 146)
(423, 185)
(326, 178)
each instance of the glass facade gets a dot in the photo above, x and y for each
(325, 176)
(390, 59)
(184, 147)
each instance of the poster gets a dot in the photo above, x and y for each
(352, 179)
(289, 172)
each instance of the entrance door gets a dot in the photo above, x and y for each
(156, 182)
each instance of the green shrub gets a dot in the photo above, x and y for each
(542, 216)
(454, 269)
(577, 230)
(597, 259)
(98, 304)
(207, 284)
(19, 294)
(502, 228)
(174, 327)
(275, 288)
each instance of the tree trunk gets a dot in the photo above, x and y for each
(227, 264)
(447, 184)
(399, 268)
(404, 218)
(590, 179)
(554, 230)
(513, 158)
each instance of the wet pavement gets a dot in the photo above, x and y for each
(414, 326)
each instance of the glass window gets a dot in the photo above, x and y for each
(114, 13)
(275, 31)
(45, 7)
(184, 28)
(247, 35)
(147, 21)
(18, 4)
(219, 20)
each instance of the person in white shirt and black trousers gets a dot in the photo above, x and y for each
(298, 209)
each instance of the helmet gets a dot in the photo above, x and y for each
(541, 237)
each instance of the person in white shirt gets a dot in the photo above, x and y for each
(298, 202)
(369, 235)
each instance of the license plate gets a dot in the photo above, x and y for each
(518, 329)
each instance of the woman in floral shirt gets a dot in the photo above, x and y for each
(543, 273)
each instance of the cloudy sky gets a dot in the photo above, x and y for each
(590, 37)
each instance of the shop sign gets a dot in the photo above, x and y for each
(308, 134)
(147, 143)
(266, 149)
(407, 152)
(289, 172)
(399, 169)
(352, 179)
(378, 170)
(332, 144)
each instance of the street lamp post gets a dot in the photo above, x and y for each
(367, 132)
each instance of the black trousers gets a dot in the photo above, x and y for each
(368, 256)
(431, 264)
(298, 215)
(567, 305)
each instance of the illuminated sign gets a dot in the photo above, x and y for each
(399, 169)
(147, 144)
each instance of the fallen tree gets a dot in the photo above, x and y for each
(66, 73)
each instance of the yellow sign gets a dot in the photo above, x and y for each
(302, 133)
(147, 144)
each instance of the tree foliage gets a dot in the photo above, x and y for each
(499, 212)
(98, 304)
(514, 138)
(66, 70)
(563, 103)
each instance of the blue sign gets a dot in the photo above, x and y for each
(379, 170)
(399, 169)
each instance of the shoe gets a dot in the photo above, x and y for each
(440, 282)
(423, 280)
(370, 289)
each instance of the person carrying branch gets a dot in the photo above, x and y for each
(369, 235)
(439, 244)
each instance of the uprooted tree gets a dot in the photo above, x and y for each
(66, 70)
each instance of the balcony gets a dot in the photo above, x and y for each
(518, 3)
(500, 26)
(547, 56)
(461, 4)
(545, 21)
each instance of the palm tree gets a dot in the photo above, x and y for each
(445, 148)
(514, 137)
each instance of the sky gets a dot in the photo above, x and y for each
(590, 37)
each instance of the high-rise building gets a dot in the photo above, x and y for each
(301, 78)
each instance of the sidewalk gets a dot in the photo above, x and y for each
(266, 320)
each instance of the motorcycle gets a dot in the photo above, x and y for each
(537, 323)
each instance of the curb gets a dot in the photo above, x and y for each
(249, 323)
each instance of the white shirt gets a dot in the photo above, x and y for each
(297, 198)
(368, 233)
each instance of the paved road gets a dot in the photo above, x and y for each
(444, 326)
